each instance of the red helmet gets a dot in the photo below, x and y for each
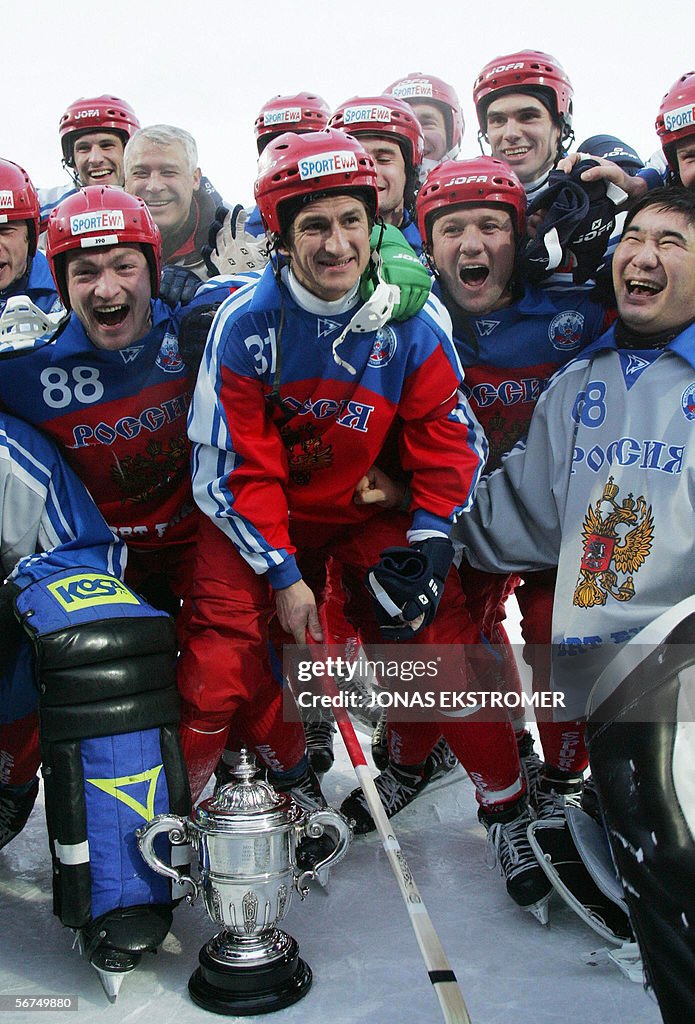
(94, 114)
(98, 216)
(470, 183)
(305, 112)
(293, 166)
(385, 116)
(525, 71)
(676, 117)
(429, 89)
(18, 200)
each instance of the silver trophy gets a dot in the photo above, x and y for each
(246, 837)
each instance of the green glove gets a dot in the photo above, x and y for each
(399, 266)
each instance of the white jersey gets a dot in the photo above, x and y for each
(603, 487)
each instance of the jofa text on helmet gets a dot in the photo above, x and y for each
(504, 67)
(468, 179)
(86, 113)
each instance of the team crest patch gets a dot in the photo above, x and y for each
(384, 347)
(168, 357)
(688, 402)
(326, 326)
(618, 541)
(486, 327)
(306, 453)
(565, 330)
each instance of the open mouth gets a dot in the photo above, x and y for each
(516, 151)
(111, 316)
(636, 287)
(101, 173)
(474, 275)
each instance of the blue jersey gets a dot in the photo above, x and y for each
(120, 418)
(51, 197)
(509, 355)
(39, 286)
(302, 449)
(48, 521)
(410, 230)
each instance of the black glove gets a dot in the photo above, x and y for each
(177, 284)
(407, 583)
(193, 333)
(579, 217)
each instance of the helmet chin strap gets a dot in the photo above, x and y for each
(372, 314)
(72, 172)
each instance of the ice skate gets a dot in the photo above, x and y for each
(319, 734)
(397, 785)
(440, 761)
(550, 790)
(380, 746)
(509, 847)
(112, 966)
(306, 791)
(114, 943)
(531, 765)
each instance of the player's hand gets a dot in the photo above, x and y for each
(297, 612)
(605, 170)
(376, 488)
(178, 285)
(193, 334)
(230, 249)
(407, 584)
(401, 267)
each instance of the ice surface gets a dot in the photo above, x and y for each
(356, 937)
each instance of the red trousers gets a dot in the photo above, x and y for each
(487, 749)
(486, 594)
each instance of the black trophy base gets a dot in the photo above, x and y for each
(246, 991)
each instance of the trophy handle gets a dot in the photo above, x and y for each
(315, 825)
(178, 835)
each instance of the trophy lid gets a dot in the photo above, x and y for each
(246, 799)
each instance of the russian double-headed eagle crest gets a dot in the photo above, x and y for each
(616, 542)
(306, 453)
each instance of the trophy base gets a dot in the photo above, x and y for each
(247, 990)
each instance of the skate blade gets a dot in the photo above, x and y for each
(111, 981)
(541, 909)
(626, 958)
